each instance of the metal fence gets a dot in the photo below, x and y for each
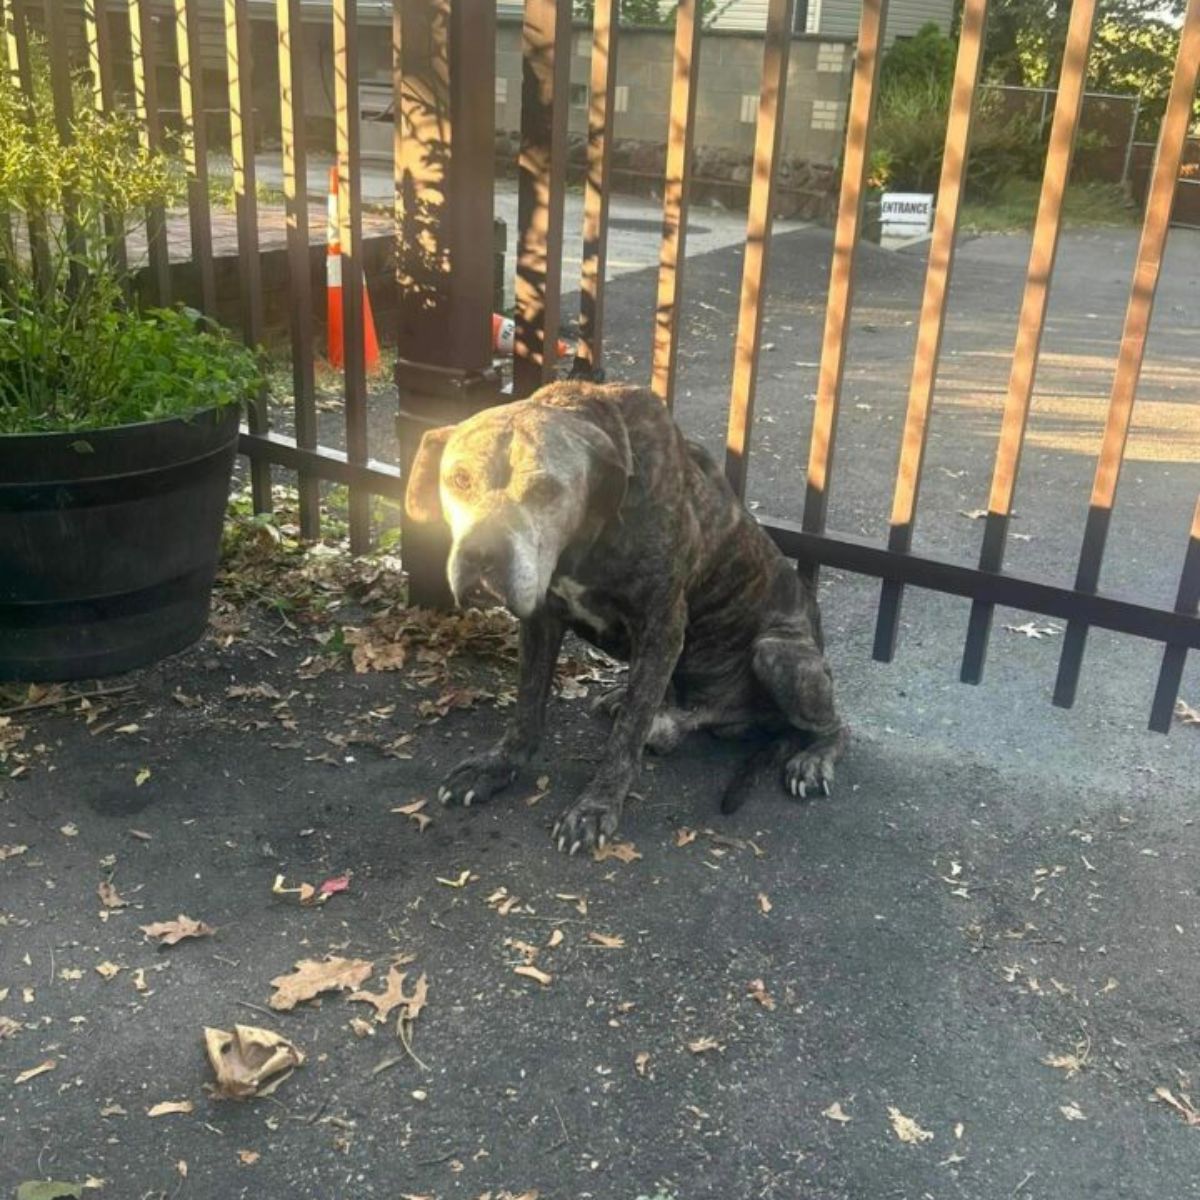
(444, 73)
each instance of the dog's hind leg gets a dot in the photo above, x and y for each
(796, 675)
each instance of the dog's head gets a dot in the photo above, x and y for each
(518, 485)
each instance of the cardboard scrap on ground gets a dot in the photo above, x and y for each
(249, 1061)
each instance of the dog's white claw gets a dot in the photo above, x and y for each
(562, 841)
(600, 842)
(825, 787)
(468, 798)
(803, 790)
(575, 847)
(444, 795)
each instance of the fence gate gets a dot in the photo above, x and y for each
(443, 82)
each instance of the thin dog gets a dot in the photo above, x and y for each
(585, 508)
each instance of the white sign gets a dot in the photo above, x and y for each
(906, 214)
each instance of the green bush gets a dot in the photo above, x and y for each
(75, 352)
(925, 58)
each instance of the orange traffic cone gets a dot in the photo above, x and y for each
(335, 333)
(504, 336)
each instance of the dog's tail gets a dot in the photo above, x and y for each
(770, 755)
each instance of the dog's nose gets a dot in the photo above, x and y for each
(480, 559)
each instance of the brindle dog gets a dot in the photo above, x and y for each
(584, 507)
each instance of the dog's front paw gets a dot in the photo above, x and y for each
(587, 824)
(477, 779)
(809, 773)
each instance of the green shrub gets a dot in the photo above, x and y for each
(75, 352)
(925, 58)
(87, 362)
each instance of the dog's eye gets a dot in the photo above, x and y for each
(542, 489)
(459, 479)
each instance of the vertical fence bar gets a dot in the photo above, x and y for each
(245, 199)
(767, 139)
(345, 77)
(145, 94)
(1148, 266)
(1187, 601)
(589, 355)
(855, 163)
(676, 185)
(60, 86)
(933, 315)
(99, 48)
(295, 196)
(195, 148)
(1065, 123)
(16, 38)
(542, 181)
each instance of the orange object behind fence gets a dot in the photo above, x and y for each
(335, 334)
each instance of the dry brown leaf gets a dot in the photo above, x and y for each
(361, 1027)
(527, 950)
(139, 980)
(248, 1157)
(835, 1112)
(641, 1062)
(310, 977)
(610, 941)
(1072, 1111)
(109, 896)
(141, 835)
(757, 990)
(70, 829)
(170, 932)
(1186, 714)
(625, 851)
(1181, 1104)
(48, 1065)
(906, 1129)
(1071, 1063)
(11, 851)
(533, 973)
(167, 1108)
(414, 813)
(9, 1028)
(460, 882)
(556, 937)
(764, 903)
(385, 1001)
(685, 836)
(113, 1110)
(247, 1059)
(704, 1044)
(108, 970)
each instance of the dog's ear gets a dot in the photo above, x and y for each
(422, 498)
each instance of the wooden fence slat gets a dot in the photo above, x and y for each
(245, 198)
(195, 148)
(16, 38)
(545, 86)
(145, 93)
(589, 355)
(676, 186)
(1187, 601)
(349, 166)
(855, 164)
(1172, 139)
(767, 139)
(99, 50)
(1031, 322)
(933, 314)
(61, 89)
(295, 198)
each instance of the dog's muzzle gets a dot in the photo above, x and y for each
(479, 572)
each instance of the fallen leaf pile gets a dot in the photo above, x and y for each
(907, 1129)
(249, 1061)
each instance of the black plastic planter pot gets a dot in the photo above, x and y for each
(109, 543)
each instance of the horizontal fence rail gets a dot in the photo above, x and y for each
(443, 85)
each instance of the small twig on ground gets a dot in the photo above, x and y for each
(1028, 1176)
(231, 962)
(404, 1033)
(432, 1162)
(255, 1008)
(387, 1063)
(56, 702)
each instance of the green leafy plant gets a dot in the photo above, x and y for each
(76, 352)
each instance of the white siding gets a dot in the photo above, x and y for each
(839, 18)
